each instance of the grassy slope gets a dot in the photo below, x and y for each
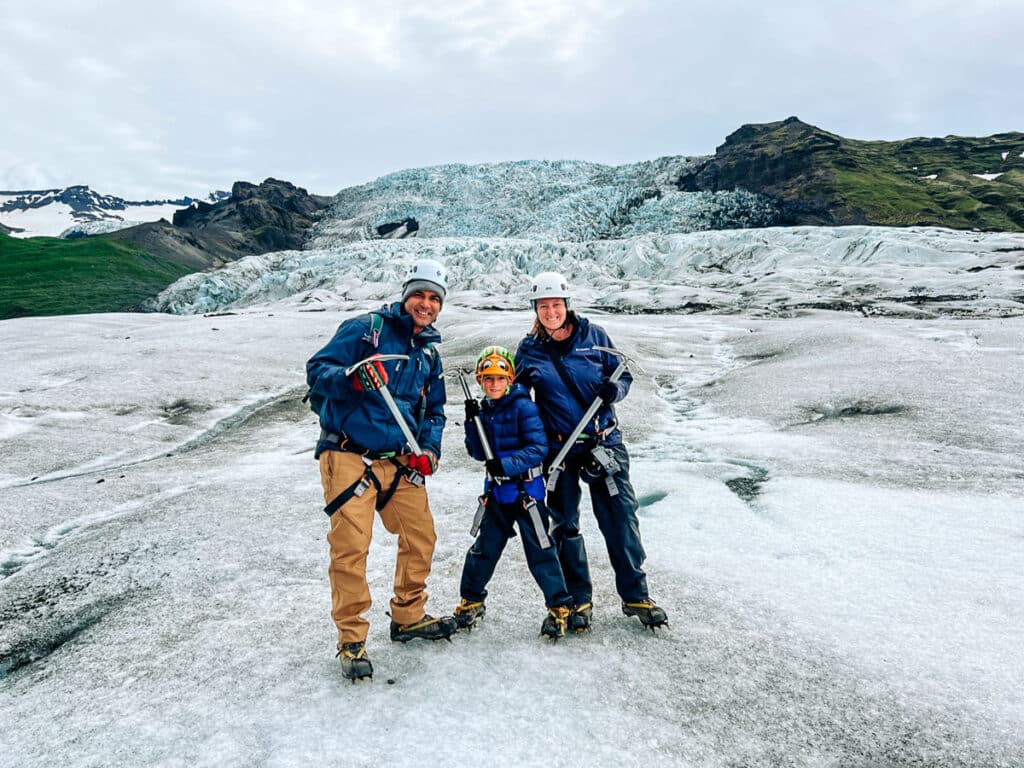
(887, 182)
(51, 276)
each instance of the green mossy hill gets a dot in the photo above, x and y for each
(51, 276)
(821, 178)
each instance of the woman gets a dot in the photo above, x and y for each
(560, 361)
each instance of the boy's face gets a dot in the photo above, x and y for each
(495, 386)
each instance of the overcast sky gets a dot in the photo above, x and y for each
(143, 100)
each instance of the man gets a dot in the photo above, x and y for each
(367, 463)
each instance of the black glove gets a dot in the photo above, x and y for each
(608, 391)
(494, 468)
(472, 409)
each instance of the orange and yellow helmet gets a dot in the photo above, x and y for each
(495, 361)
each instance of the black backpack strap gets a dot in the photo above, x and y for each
(372, 336)
(570, 384)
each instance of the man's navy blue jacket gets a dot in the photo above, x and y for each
(364, 416)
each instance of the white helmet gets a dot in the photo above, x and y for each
(426, 274)
(549, 285)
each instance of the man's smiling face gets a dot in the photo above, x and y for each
(423, 306)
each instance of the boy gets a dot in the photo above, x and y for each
(513, 493)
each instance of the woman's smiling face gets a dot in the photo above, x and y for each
(551, 313)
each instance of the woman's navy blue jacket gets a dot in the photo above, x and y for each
(364, 416)
(516, 434)
(560, 409)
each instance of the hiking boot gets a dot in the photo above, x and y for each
(579, 619)
(355, 665)
(555, 622)
(650, 615)
(427, 628)
(467, 613)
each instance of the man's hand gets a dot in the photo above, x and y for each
(425, 463)
(370, 375)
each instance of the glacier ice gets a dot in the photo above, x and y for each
(875, 270)
(627, 238)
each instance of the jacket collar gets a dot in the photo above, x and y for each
(514, 393)
(395, 314)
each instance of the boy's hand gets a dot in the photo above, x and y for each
(472, 409)
(495, 468)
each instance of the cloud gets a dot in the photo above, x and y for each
(95, 68)
(17, 177)
(330, 94)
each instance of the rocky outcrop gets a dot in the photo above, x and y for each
(819, 177)
(397, 230)
(257, 218)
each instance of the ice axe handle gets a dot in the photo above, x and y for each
(476, 419)
(556, 465)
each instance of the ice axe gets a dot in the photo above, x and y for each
(476, 419)
(414, 477)
(531, 505)
(556, 465)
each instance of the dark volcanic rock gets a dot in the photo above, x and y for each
(256, 218)
(396, 230)
(782, 160)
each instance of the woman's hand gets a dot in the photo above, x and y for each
(608, 391)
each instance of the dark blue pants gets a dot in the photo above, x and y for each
(616, 517)
(495, 531)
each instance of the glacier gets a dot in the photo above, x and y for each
(540, 200)
(832, 506)
(830, 501)
(913, 272)
(626, 237)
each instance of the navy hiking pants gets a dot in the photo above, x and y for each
(616, 517)
(495, 531)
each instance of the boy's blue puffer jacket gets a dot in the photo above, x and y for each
(560, 410)
(364, 416)
(516, 434)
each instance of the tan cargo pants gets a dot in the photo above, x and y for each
(407, 514)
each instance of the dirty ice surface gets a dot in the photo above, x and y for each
(832, 507)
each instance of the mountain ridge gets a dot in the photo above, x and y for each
(86, 207)
(821, 178)
(786, 173)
